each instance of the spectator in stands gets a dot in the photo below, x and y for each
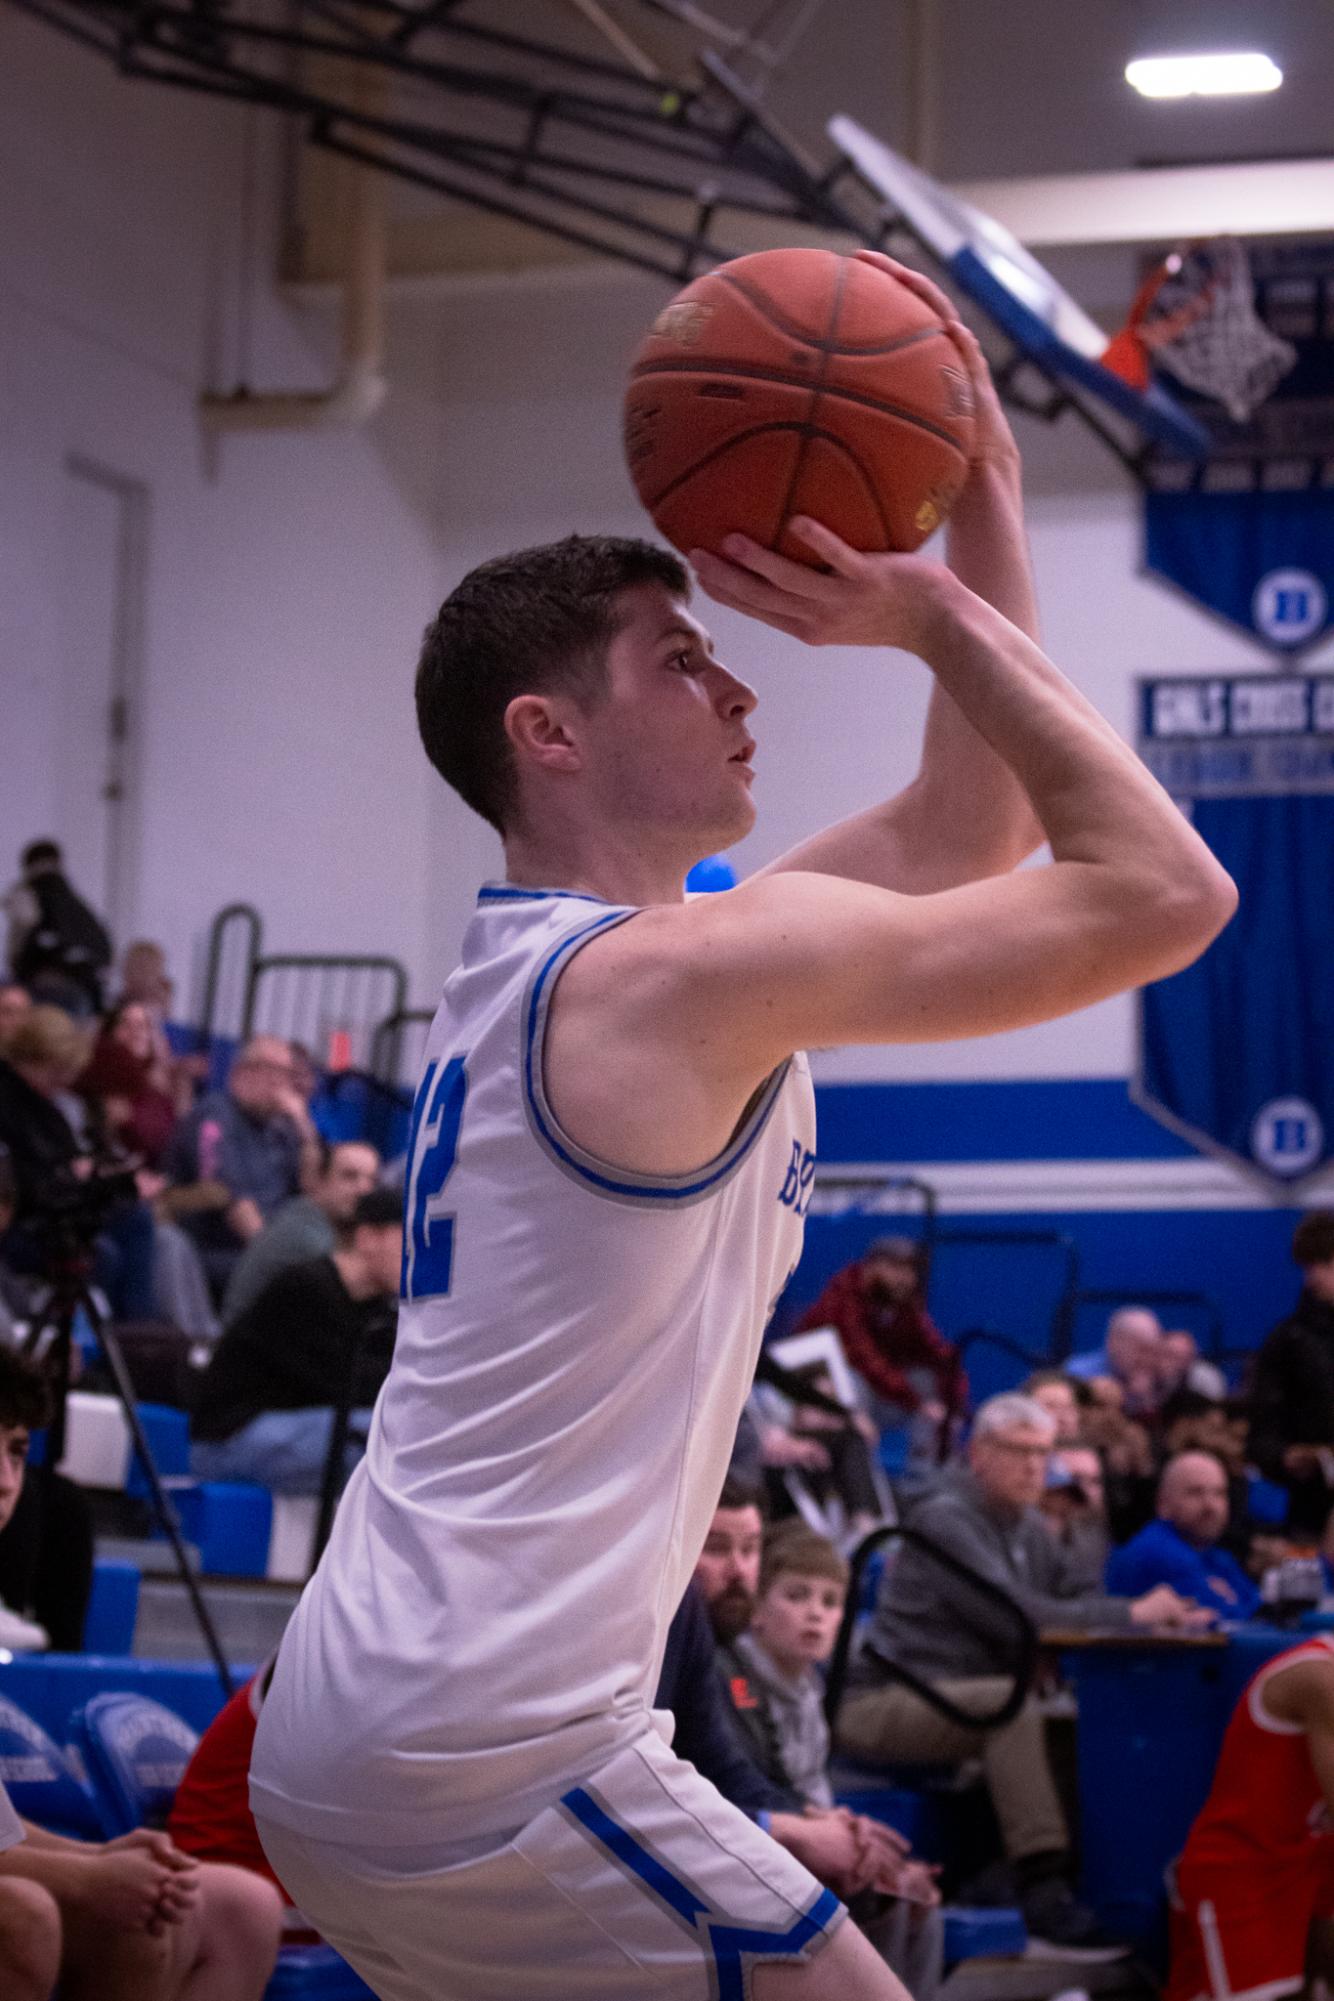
(1181, 1547)
(1292, 1387)
(240, 1154)
(129, 1920)
(20, 1296)
(58, 949)
(15, 1002)
(1130, 1355)
(144, 978)
(1126, 1451)
(945, 1632)
(860, 1858)
(1181, 1366)
(1252, 1885)
(913, 1373)
(129, 1086)
(46, 1527)
(1053, 1389)
(816, 1452)
(46, 1053)
(305, 1227)
(318, 1331)
(1074, 1507)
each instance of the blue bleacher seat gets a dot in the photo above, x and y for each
(113, 1607)
(317, 1971)
(168, 1434)
(134, 1752)
(230, 1522)
(980, 1934)
(40, 1780)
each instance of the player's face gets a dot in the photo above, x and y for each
(13, 1463)
(669, 747)
(797, 1619)
(728, 1571)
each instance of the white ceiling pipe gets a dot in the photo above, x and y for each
(362, 385)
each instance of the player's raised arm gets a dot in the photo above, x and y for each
(794, 959)
(964, 815)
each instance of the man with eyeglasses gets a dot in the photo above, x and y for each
(937, 1626)
(240, 1154)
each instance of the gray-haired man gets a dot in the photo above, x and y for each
(944, 1631)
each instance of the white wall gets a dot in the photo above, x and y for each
(290, 576)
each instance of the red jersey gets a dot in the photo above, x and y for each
(1257, 1867)
(210, 1816)
(1265, 1805)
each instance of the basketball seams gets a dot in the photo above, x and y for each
(834, 390)
(782, 324)
(810, 433)
(822, 370)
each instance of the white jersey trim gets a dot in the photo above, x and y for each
(618, 1183)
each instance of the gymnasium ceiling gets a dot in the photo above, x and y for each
(1010, 98)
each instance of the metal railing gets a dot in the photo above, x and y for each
(1021, 1673)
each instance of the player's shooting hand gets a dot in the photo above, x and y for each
(993, 442)
(855, 600)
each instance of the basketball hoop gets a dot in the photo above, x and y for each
(1195, 316)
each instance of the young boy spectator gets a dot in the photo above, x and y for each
(889, 1893)
(46, 1529)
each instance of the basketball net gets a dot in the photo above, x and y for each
(1195, 316)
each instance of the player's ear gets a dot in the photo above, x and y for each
(538, 729)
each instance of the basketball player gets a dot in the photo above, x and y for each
(1257, 1871)
(456, 1774)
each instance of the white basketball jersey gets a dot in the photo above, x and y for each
(575, 1345)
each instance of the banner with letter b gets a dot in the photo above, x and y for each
(1236, 1053)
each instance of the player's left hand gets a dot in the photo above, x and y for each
(993, 442)
(857, 600)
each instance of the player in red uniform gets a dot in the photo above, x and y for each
(1258, 1867)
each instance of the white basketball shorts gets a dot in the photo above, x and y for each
(642, 1880)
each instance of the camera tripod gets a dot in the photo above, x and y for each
(68, 1268)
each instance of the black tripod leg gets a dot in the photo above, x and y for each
(162, 1505)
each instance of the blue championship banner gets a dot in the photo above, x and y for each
(1236, 1054)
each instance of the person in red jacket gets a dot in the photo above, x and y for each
(889, 1338)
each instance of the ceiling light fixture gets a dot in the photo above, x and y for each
(1224, 75)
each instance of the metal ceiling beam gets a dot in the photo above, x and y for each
(669, 177)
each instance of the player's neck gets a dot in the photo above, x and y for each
(619, 871)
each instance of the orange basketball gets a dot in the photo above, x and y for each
(798, 382)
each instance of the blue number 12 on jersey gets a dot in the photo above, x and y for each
(428, 1239)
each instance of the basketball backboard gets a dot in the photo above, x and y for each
(993, 269)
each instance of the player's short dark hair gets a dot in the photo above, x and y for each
(24, 1397)
(41, 854)
(1313, 1238)
(738, 1492)
(526, 623)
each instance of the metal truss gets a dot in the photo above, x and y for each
(591, 138)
